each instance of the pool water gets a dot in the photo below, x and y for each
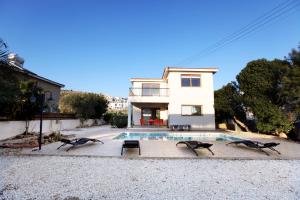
(211, 136)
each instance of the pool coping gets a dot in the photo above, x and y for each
(150, 157)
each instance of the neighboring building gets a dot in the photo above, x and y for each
(117, 103)
(183, 96)
(51, 88)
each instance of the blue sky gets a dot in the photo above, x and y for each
(98, 45)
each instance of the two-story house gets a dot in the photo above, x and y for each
(50, 87)
(183, 96)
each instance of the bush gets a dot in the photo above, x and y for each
(107, 117)
(83, 105)
(119, 120)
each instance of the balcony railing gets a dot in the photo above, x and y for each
(149, 92)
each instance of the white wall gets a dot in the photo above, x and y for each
(164, 115)
(12, 128)
(203, 95)
(136, 115)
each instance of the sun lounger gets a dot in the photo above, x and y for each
(257, 145)
(77, 142)
(131, 144)
(194, 145)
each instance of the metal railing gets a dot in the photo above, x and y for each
(159, 92)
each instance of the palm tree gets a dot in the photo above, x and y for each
(3, 51)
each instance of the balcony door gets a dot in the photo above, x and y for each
(150, 113)
(150, 89)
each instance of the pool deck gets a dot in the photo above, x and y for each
(163, 171)
(164, 149)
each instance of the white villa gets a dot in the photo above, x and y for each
(117, 103)
(183, 96)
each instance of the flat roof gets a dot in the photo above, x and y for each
(175, 69)
(146, 80)
(182, 69)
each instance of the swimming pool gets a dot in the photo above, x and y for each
(206, 136)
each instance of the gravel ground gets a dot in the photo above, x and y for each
(55, 177)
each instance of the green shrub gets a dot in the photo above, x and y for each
(83, 105)
(119, 120)
(107, 117)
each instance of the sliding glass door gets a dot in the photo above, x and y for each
(150, 89)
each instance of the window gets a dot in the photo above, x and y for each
(191, 110)
(150, 89)
(190, 80)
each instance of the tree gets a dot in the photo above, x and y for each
(9, 90)
(3, 51)
(290, 91)
(83, 105)
(15, 94)
(228, 103)
(260, 82)
(268, 89)
(294, 57)
(24, 108)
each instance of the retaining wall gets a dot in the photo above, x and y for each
(10, 129)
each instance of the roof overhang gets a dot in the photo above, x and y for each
(147, 80)
(46, 80)
(189, 70)
(33, 75)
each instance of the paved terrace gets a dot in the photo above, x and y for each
(164, 149)
(106, 175)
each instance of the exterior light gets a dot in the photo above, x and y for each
(32, 99)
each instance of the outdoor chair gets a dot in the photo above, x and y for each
(77, 142)
(158, 122)
(150, 121)
(174, 127)
(161, 122)
(257, 145)
(185, 127)
(194, 145)
(142, 122)
(131, 144)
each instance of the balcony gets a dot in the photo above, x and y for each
(158, 92)
(150, 95)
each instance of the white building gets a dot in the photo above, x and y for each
(117, 103)
(183, 96)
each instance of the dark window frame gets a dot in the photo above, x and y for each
(190, 77)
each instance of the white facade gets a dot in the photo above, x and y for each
(183, 96)
(117, 103)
